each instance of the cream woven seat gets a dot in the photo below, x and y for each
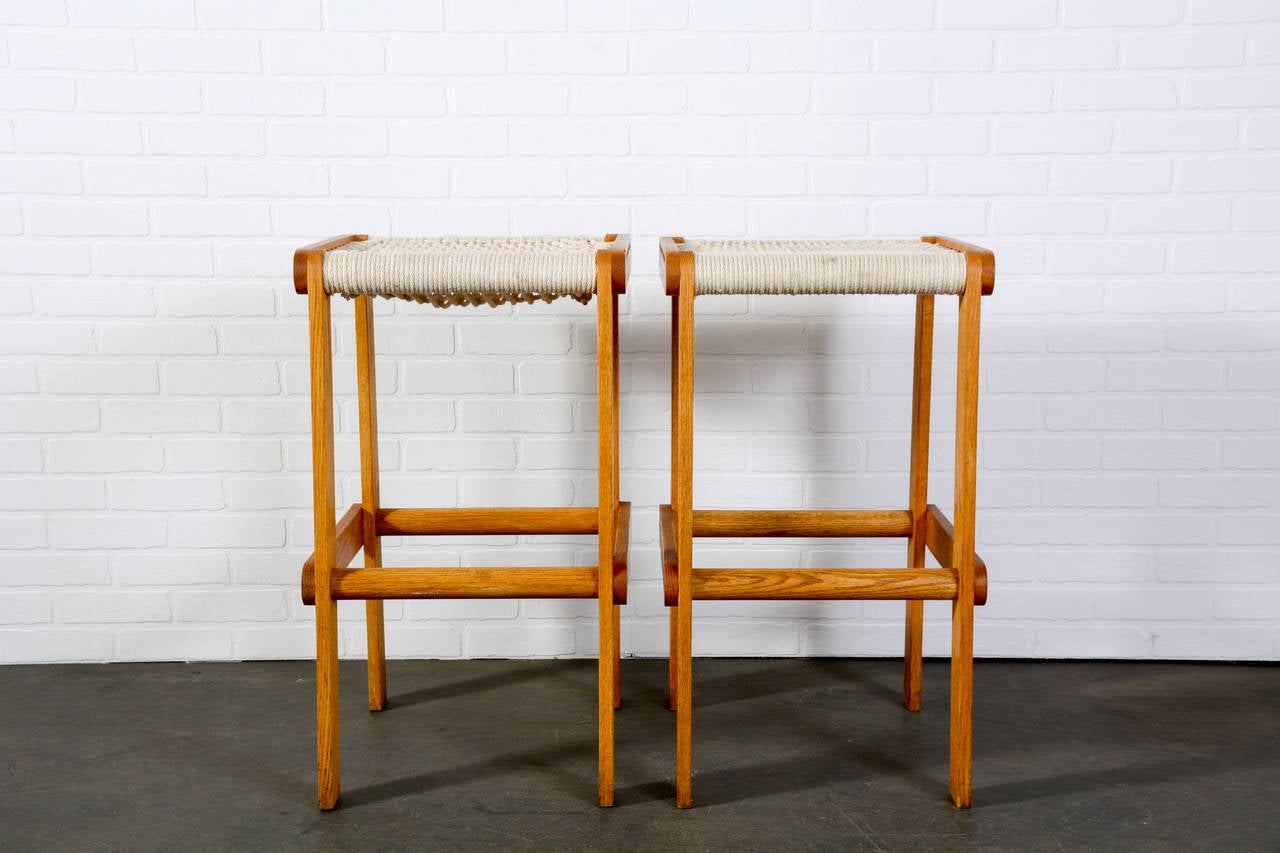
(465, 270)
(825, 266)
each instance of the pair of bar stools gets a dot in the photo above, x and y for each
(477, 271)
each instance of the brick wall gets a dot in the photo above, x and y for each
(160, 159)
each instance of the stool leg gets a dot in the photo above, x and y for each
(913, 653)
(673, 612)
(963, 547)
(607, 505)
(683, 512)
(673, 632)
(327, 751)
(617, 494)
(617, 656)
(367, 398)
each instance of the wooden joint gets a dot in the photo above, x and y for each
(348, 540)
(309, 259)
(980, 262)
(939, 538)
(618, 260)
(677, 264)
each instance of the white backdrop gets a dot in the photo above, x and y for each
(161, 159)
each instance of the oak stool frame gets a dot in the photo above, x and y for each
(962, 580)
(326, 578)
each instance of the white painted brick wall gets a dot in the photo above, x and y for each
(159, 161)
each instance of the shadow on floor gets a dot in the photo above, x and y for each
(808, 754)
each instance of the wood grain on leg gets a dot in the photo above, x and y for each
(913, 652)
(607, 504)
(327, 742)
(617, 656)
(963, 549)
(367, 401)
(617, 494)
(673, 608)
(683, 512)
(673, 642)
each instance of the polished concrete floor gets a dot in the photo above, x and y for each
(788, 755)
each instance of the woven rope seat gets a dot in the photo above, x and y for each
(446, 271)
(825, 266)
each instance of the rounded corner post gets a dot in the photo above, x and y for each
(683, 516)
(324, 508)
(308, 261)
(970, 314)
(606, 510)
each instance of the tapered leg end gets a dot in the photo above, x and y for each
(912, 657)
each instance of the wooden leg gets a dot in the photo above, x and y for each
(617, 471)
(963, 547)
(673, 613)
(327, 747)
(913, 653)
(329, 762)
(607, 504)
(617, 495)
(673, 620)
(367, 397)
(617, 656)
(683, 512)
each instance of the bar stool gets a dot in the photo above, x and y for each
(924, 268)
(443, 272)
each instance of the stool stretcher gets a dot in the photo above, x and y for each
(828, 584)
(380, 583)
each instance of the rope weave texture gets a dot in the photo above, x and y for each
(825, 266)
(446, 271)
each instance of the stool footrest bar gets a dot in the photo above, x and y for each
(496, 521)
(810, 522)
(452, 582)
(824, 584)
(380, 582)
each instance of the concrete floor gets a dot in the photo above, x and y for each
(788, 754)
